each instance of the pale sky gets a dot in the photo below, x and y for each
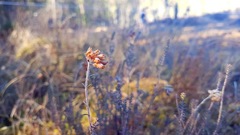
(197, 7)
(200, 7)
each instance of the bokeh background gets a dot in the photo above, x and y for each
(163, 57)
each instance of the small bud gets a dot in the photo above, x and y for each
(183, 95)
(98, 65)
(96, 60)
(101, 56)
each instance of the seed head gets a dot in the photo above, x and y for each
(216, 95)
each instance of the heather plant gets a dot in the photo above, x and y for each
(97, 60)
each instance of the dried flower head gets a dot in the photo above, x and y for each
(96, 58)
(215, 95)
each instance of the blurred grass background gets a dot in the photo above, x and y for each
(148, 48)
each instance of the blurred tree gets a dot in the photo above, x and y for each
(82, 12)
(8, 10)
(176, 11)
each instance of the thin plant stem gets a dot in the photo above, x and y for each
(86, 95)
(210, 107)
(194, 113)
(206, 117)
(221, 104)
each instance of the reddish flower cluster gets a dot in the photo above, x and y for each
(96, 58)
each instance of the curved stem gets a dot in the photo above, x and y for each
(203, 102)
